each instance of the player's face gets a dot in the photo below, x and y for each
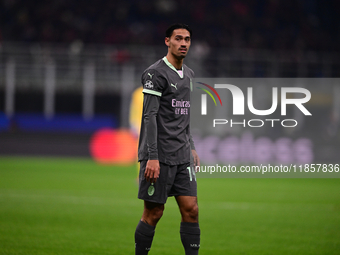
(179, 43)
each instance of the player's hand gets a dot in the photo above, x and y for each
(152, 170)
(197, 162)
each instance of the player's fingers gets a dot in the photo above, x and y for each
(152, 176)
(147, 174)
(198, 162)
(156, 174)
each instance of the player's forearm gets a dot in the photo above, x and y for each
(151, 106)
(151, 133)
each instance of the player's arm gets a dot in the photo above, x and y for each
(194, 153)
(151, 106)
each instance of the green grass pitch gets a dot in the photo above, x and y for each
(75, 206)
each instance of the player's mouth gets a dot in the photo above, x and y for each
(183, 50)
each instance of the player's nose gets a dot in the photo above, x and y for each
(184, 45)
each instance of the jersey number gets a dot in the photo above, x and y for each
(191, 172)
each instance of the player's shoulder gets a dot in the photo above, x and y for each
(188, 71)
(156, 68)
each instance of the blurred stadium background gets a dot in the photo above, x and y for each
(67, 73)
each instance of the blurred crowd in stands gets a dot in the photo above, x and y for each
(255, 24)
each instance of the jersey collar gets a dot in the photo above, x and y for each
(173, 68)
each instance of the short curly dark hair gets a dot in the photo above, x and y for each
(171, 29)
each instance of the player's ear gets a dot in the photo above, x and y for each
(167, 41)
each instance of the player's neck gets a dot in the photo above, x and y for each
(177, 63)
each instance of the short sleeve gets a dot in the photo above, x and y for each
(153, 82)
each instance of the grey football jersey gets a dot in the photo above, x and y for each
(170, 92)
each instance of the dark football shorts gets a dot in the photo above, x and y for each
(174, 180)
